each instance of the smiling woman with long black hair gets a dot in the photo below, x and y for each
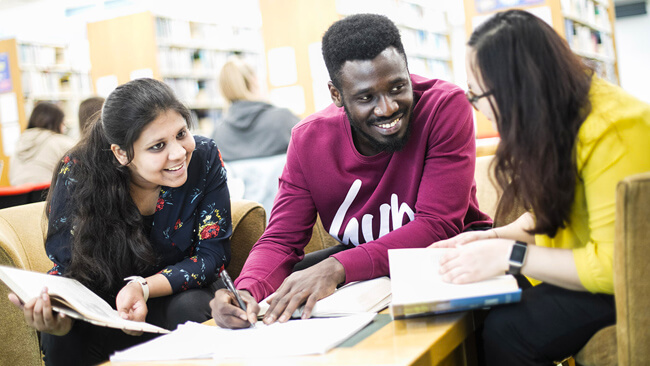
(141, 199)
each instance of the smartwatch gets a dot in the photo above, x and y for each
(517, 257)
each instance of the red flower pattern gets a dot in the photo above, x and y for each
(210, 231)
(160, 204)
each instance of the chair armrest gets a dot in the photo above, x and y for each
(22, 237)
(631, 269)
(248, 224)
(320, 238)
(22, 245)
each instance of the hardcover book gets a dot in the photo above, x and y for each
(418, 288)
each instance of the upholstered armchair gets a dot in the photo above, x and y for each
(22, 237)
(627, 342)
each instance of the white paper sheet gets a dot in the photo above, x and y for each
(370, 296)
(293, 338)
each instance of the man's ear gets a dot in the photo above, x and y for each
(120, 154)
(335, 94)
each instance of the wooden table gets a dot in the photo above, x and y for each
(435, 340)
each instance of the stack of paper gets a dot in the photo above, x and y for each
(418, 288)
(293, 338)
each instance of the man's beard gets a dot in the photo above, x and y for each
(393, 143)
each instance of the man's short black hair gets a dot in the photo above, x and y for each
(358, 37)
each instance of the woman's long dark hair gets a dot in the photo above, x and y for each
(47, 116)
(541, 92)
(108, 242)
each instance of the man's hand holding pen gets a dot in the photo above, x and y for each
(302, 287)
(233, 309)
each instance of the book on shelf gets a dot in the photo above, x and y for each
(418, 288)
(369, 296)
(70, 297)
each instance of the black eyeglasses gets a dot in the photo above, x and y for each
(473, 98)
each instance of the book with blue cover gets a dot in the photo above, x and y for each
(418, 289)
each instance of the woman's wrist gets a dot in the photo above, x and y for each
(142, 282)
(495, 233)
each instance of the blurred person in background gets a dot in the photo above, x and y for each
(88, 109)
(40, 147)
(251, 127)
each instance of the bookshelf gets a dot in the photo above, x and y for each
(423, 26)
(424, 29)
(184, 53)
(35, 72)
(587, 26)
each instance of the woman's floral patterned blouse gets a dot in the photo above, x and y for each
(191, 226)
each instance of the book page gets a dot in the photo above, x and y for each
(369, 296)
(293, 338)
(70, 297)
(415, 279)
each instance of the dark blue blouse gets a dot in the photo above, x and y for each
(191, 226)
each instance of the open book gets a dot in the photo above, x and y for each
(70, 297)
(418, 288)
(369, 296)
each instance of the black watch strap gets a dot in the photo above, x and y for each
(517, 257)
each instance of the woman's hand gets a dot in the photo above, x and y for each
(39, 315)
(131, 305)
(476, 261)
(464, 238)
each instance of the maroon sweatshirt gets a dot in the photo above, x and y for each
(410, 198)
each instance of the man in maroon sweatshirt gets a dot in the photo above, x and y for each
(390, 164)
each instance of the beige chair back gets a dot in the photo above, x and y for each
(632, 270)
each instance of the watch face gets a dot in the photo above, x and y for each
(518, 253)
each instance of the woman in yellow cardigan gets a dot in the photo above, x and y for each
(567, 138)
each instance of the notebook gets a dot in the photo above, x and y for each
(369, 296)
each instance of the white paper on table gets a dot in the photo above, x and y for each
(293, 338)
(370, 296)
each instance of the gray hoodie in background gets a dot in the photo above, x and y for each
(252, 129)
(37, 153)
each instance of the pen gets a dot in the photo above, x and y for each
(231, 287)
